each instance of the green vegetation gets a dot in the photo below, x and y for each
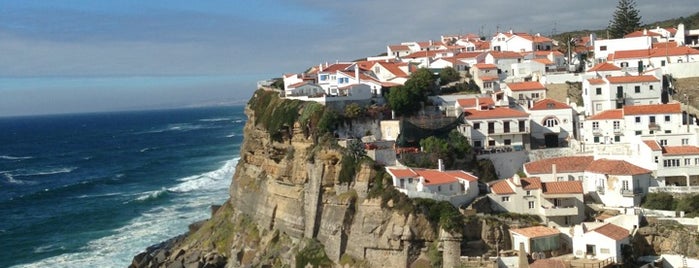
(463, 87)
(349, 261)
(278, 83)
(434, 255)
(625, 20)
(354, 111)
(404, 99)
(448, 75)
(664, 201)
(313, 254)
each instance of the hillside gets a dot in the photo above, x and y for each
(690, 22)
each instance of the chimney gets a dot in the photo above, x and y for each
(645, 31)
(553, 170)
(516, 180)
(538, 34)
(356, 73)
(393, 115)
(478, 104)
(320, 67)
(440, 165)
(511, 32)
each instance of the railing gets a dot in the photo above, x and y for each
(558, 211)
(628, 192)
(653, 126)
(618, 131)
(597, 131)
(674, 189)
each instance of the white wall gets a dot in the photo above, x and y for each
(613, 45)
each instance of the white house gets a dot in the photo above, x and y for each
(536, 239)
(553, 123)
(558, 203)
(616, 183)
(503, 60)
(605, 69)
(525, 93)
(613, 92)
(398, 50)
(395, 72)
(492, 130)
(663, 121)
(609, 46)
(643, 59)
(456, 186)
(600, 243)
(520, 42)
(567, 168)
(486, 76)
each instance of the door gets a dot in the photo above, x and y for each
(551, 140)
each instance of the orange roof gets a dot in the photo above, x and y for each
(566, 164)
(467, 55)
(655, 52)
(298, 84)
(529, 183)
(615, 167)
(402, 173)
(665, 44)
(488, 78)
(653, 145)
(433, 177)
(471, 102)
(462, 175)
(680, 150)
(427, 53)
(670, 108)
(562, 187)
(612, 231)
(631, 79)
(595, 81)
(549, 104)
(526, 86)
(608, 115)
(605, 66)
(398, 47)
(501, 187)
(544, 61)
(498, 112)
(484, 66)
(640, 33)
(334, 68)
(544, 53)
(536, 231)
(394, 68)
(505, 54)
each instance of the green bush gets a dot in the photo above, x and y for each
(689, 204)
(662, 201)
(313, 254)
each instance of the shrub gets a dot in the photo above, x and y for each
(313, 254)
(663, 201)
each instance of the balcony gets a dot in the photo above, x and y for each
(597, 131)
(630, 193)
(558, 211)
(600, 189)
(618, 131)
(509, 132)
(653, 126)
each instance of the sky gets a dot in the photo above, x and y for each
(74, 56)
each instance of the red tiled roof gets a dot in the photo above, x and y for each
(398, 47)
(526, 86)
(641, 33)
(605, 66)
(549, 104)
(562, 187)
(501, 187)
(608, 114)
(536, 231)
(595, 81)
(566, 164)
(488, 78)
(498, 112)
(298, 84)
(670, 108)
(426, 54)
(394, 68)
(655, 52)
(467, 55)
(402, 173)
(631, 79)
(544, 61)
(471, 102)
(612, 231)
(461, 174)
(484, 66)
(665, 44)
(680, 150)
(529, 183)
(505, 54)
(615, 167)
(433, 177)
(334, 68)
(653, 145)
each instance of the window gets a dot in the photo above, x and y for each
(522, 126)
(638, 132)
(687, 161)
(650, 87)
(531, 204)
(668, 131)
(667, 118)
(696, 161)
(598, 91)
(552, 122)
(439, 188)
(671, 163)
(476, 125)
(596, 139)
(508, 142)
(598, 107)
(624, 64)
(506, 127)
(505, 199)
(685, 141)
(323, 77)
(662, 63)
(617, 124)
(560, 178)
(491, 127)
(617, 138)
(637, 89)
(595, 125)
(529, 193)
(651, 119)
(535, 95)
(663, 142)
(624, 185)
(491, 143)
(477, 143)
(603, 48)
(487, 84)
(637, 119)
(377, 70)
(656, 159)
(521, 96)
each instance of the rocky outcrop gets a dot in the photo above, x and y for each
(666, 237)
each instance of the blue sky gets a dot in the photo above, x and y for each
(82, 56)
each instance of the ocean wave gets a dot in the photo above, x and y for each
(152, 226)
(178, 127)
(148, 149)
(232, 135)
(152, 195)
(41, 172)
(48, 248)
(208, 180)
(11, 180)
(215, 119)
(9, 157)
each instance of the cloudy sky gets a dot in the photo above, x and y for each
(89, 55)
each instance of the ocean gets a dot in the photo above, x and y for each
(93, 190)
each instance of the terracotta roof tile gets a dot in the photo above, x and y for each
(529, 183)
(471, 102)
(498, 112)
(596, 81)
(640, 33)
(467, 55)
(680, 150)
(670, 108)
(505, 54)
(536, 231)
(631, 79)
(605, 66)
(608, 115)
(298, 84)
(489, 78)
(394, 68)
(612, 231)
(462, 174)
(433, 177)
(526, 86)
(562, 187)
(665, 44)
(501, 187)
(655, 52)
(566, 164)
(484, 66)
(615, 167)
(549, 104)
(653, 145)
(544, 61)
(402, 173)
(398, 47)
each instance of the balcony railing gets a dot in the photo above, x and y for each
(630, 193)
(600, 189)
(617, 131)
(597, 131)
(674, 189)
(653, 126)
(558, 211)
(511, 131)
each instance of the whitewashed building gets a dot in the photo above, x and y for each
(614, 92)
(600, 243)
(455, 186)
(553, 123)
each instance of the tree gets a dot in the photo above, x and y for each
(626, 19)
(459, 144)
(448, 75)
(353, 111)
(435, 145)
(406, 99)
(422, 81)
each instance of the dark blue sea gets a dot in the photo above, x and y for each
(93, 190)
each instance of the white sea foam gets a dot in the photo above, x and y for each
(148, 149)
(215, 119)
(9, 157)
(11, 180)
(48, 248)
(43, 171)
(153, 226)
(150, 195)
